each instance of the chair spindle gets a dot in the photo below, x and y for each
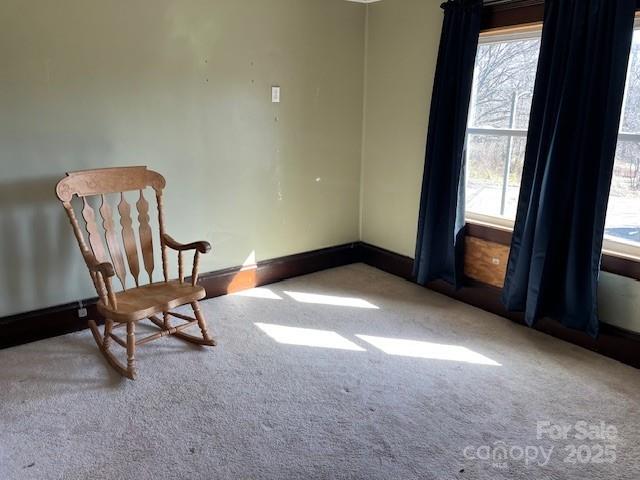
(196, 267)
(163, 247)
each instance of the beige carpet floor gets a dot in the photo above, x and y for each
(346, 373)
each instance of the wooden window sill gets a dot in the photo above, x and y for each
(619, 264)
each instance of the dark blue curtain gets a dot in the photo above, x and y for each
(439, 244)
(557, 239)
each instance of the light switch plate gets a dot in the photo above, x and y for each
(275, 94)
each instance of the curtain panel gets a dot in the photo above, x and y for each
(439, 246)
(554, 261)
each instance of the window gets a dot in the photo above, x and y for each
(622, 227)
(501, 96)
(503, 81)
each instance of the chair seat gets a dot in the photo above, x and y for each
(142, 302)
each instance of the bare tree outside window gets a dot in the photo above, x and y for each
(504, 71)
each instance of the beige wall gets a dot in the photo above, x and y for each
(619, 301)
(402, 49)
(184, 87)
(402, 46)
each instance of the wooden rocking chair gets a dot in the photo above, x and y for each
(128, 306)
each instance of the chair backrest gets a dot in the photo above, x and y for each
(100, 183)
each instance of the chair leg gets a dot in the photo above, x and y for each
(108, 327)
(131, 350)
(104, 347)
(202, 323)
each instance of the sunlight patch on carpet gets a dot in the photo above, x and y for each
(420, 349)
(308, 337)
(331, 300)
(259, 292)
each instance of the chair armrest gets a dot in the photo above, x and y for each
(201, 246)
(105, 268)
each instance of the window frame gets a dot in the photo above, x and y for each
(610, 246)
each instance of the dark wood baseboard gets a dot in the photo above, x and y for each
(387, 261)
(45, 322)
(233, 279)
(62, 319)
(613, 342)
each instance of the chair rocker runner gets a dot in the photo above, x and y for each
(153, 301)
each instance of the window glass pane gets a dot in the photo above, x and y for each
(485, 161)
(501, 99)
(630, 120)
(623, 212)
(515, 173)
(503, 83)
(486, 193)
